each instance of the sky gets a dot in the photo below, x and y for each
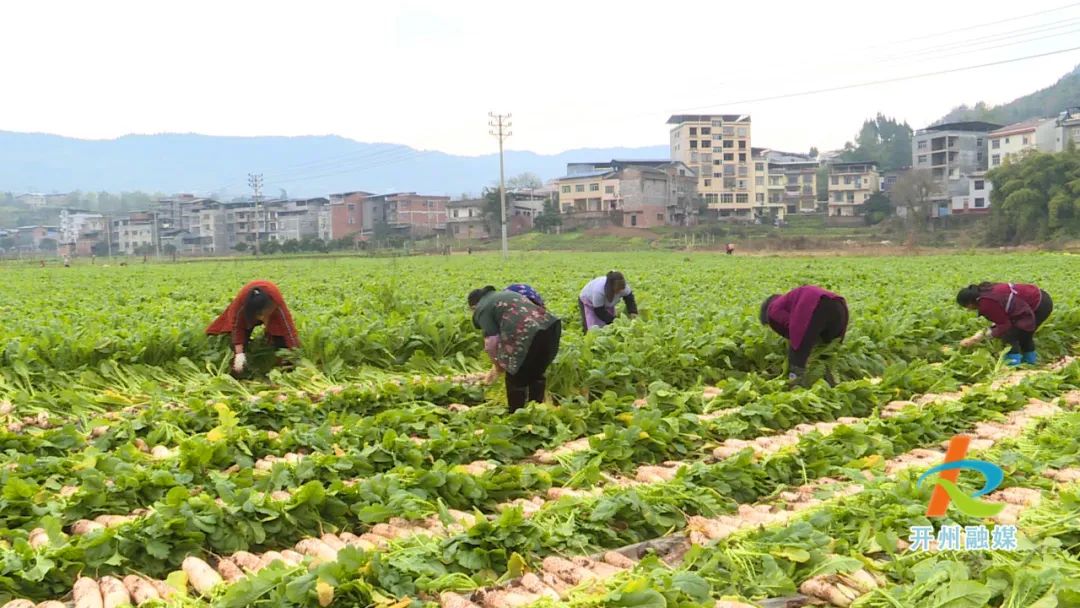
(573, 74)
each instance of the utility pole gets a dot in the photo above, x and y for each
(255, 180)
(500, 128)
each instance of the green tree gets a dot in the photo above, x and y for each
(241, 247)
(550, 218)
(524, 181)
(911, 195)
(884, 140)
(1035, 198)
(823, 184)
(877, 208)
(49, 245)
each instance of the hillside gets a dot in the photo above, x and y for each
(1045, 102)
(303, 166)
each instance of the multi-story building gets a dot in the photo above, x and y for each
(405, 213)
(137, 232)
(632, 193)
(977, 197)
(75, 223)
(1068, 129)
(346, 214)
(39, 201)
(792, 181)
(851, 184)
(951, 152)
(299, 219)
(466, 220)
(716, 147)
(889, 178)
(1012, 141)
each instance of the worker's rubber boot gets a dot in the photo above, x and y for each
(1013, 359)
(516, 397)
(797, 376)
(537, 389)
(1031, 358)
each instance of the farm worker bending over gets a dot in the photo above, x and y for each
(599, 298)
(805, 316)
(258, 303)
(1016, 309)
(527, 291)
(521, 338)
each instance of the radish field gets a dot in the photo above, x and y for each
(673, 466)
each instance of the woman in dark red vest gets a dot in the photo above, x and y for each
(258, 303)
(806, 316)
(1016, 311)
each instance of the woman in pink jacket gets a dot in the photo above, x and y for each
(806, 316)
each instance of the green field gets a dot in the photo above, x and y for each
(369, 475)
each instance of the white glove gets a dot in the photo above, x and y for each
(238, 362)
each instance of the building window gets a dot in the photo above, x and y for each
(743, 171)
(980, 203)
(978, 142)
(1026, 140)
(708, 183)
(729, 156)
(706, 158)
(995, 144)
(693, 144)
(594, 187)
(742, 198)
(759, 166)
(609, 189)
(847, 180)
(728, 143)
(693, 131)
(706, 130)
(759, 180)
(579, 188)
(1006, 140)
(729, 169)
(717, 174)
(742, 131)
(922, 159)
(742, 144)
(727, 197)
(836, 180)
(759, 197)
(808, 179)
(659, 217)
(706, 143)
(995, 160)
(729, 131)
(979, 184)
(566, 189)
(716, 162)
(716, 123)
(742, 157)
(922, 145)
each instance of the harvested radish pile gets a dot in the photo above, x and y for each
(672, 465)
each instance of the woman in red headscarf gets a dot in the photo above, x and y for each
(258, 303)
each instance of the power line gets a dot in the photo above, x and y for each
(989, 40)
(877, 82)
(976, 26)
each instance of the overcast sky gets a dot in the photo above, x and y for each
(574, 74)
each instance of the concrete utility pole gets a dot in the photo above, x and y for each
(500, 128)
(255, 180)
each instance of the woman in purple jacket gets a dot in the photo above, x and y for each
(806, 316)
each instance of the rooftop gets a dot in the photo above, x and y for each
(976, 126)
(681, 118)
(855, 163)
(1024, 126)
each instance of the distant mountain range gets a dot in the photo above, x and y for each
(303, 166)
(318, 165)
(1046, 102)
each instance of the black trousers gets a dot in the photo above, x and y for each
(826, 324)
(529, 382)
(1024, 341)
